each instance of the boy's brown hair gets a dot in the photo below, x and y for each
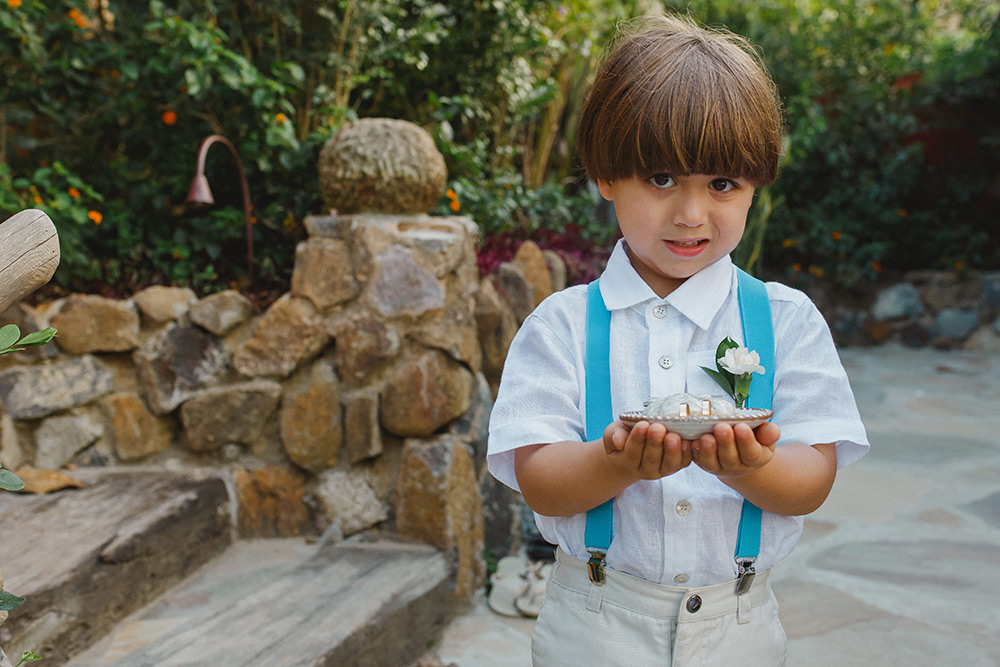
(677, 98)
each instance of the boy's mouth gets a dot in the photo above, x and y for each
(686, 247)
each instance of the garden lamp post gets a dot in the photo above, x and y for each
(201, 194)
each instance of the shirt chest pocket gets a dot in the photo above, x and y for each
(696, 380)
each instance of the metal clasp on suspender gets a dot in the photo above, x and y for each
(595, 567)
(745, 575)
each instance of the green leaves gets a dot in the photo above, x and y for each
(9, 481)
(9, 335)
(10, 601)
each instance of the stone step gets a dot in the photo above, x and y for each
(284, 602)
(87, 557)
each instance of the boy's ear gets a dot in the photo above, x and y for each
(606, 189)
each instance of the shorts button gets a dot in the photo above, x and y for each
(681, 578)
(693, 603)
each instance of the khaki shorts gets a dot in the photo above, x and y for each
(639, 623)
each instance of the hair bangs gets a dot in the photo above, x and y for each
(682, 102)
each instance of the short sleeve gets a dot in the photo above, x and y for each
(813, 400)
(540, 394)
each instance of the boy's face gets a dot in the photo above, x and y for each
(676, 226)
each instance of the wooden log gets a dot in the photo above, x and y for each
(29, 255)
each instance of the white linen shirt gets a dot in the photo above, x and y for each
(680, 529)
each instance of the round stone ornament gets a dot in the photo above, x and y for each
(381, 165)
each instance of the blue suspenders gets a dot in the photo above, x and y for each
(758, 335)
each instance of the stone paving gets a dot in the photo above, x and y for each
(901, 565)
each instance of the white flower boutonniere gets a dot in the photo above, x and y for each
(735, 367)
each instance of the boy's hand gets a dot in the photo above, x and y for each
(647, 451)
(731, 451)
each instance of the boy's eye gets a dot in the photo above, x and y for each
(662, 180)
(723, 185)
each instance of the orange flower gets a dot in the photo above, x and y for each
(876, 266)
(38, 200)
(959, 265)
(169, 117)
(74, 193)
(902, 213)
(13, 4)
(455, 206)
(281, 118)
(78, 18)
(96, 217)
(816, 271)
(836, 236)
(787, 243)
(450, 194)
(796, 267)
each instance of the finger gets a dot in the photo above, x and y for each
(704, 452)
(652, 455)
(676, 454)
(728, 451)
(767, 434)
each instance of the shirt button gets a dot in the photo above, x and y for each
(693, 604)
(659, 312)
(665, 362)
(683, 507)
(681, 578)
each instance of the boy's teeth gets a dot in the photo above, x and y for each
(687, 244)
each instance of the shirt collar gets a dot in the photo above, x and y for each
(699, 298)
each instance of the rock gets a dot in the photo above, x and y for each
(11, 454)
(515, 290)
(473, 427)
(135, 431)
(984, 339)
(221, 312)
(323, 272)
(501, 517)
(496, 328)
(530, 259)
(346, 499)
(381, 165)
(990, 296)
(176, 363)
(424, 393)
(363, 344)
(557, 269)
(311, 425)
(898, 301)
(59, 438)
(232, 414)
(30, 392)
(403, 286)
(160, 304)
(957, 324)
(362, 435)
(437, 502)
(271, 502)
(89, 323)
(288, 334)
(454, 333)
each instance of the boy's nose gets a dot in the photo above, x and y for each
(691, 211)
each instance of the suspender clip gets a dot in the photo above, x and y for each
(595, 567)
(746, 575)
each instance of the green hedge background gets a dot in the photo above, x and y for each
(892, 141)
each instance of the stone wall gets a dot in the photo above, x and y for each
(359, 400)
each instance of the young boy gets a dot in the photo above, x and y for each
(680, 126)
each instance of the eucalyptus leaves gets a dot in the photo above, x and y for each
(11, 341)
(734, 368)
